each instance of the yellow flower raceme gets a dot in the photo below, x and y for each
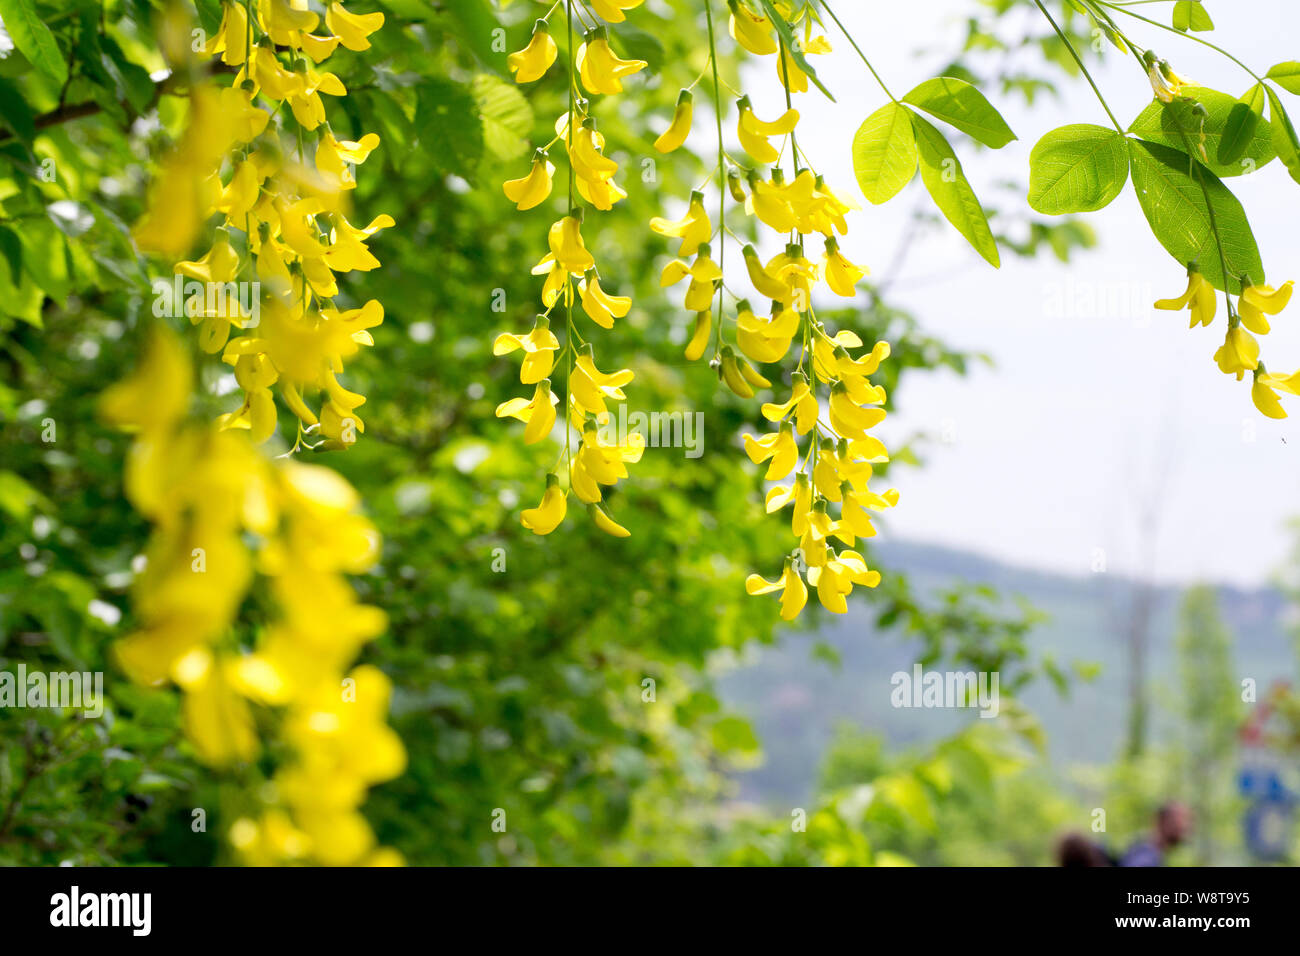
(532, 62)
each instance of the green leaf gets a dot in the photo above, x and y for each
(449, 128)
(942, 174)
(507, 117)
(1286, 75)
(1078, 168)
(209, 15)
(787, 38)
(1283, 134)
(884, 153)
(958, 103)
(475, 24)
(16, 114)
(12, 249)
(1166, 123)
(1174, 203)
(33, 38)
(1243, 121)
(1190, 15)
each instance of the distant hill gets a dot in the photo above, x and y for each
(796, 700)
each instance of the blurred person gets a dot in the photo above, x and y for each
(1173, 824)
(1074, 849)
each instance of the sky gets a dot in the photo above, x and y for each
(1106, 438)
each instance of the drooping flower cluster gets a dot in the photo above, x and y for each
(831, 404)
(284, 216)
(1239, 352)
(208, 493)
(222, 512)
(572, 277)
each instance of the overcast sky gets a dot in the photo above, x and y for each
(1093, 412)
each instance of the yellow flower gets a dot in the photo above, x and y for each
(738, 375)
(546, 517)
(763, 283)
(802, 401)
(532, 62)
(800, 493)
(318, 48)
(848, 418)
(835, 579)
(611, 11)
(605, 523)
(590, 386)
(693, 228)
(1263, 395)
(753, 132)
(602, 71)
(231, 38)
(335, 157)
(769, 201)
(841, 274)
(567, 247)
(593, 170)
(352, 29)
(284, 21)
(795, 274)
(241, 193)
(1259, 300)
(538, 413)
(794, 595)
(680, 128)
(1165, 83)
(751, 31)
(788, 71)
(1239, 353)
(700, 335)
(539, 347)
(601, 307)
(348, 251)
(598, 464)
(217, 719)
(704, 273)
(777, 448)
(1199, 297)
(765, 340)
